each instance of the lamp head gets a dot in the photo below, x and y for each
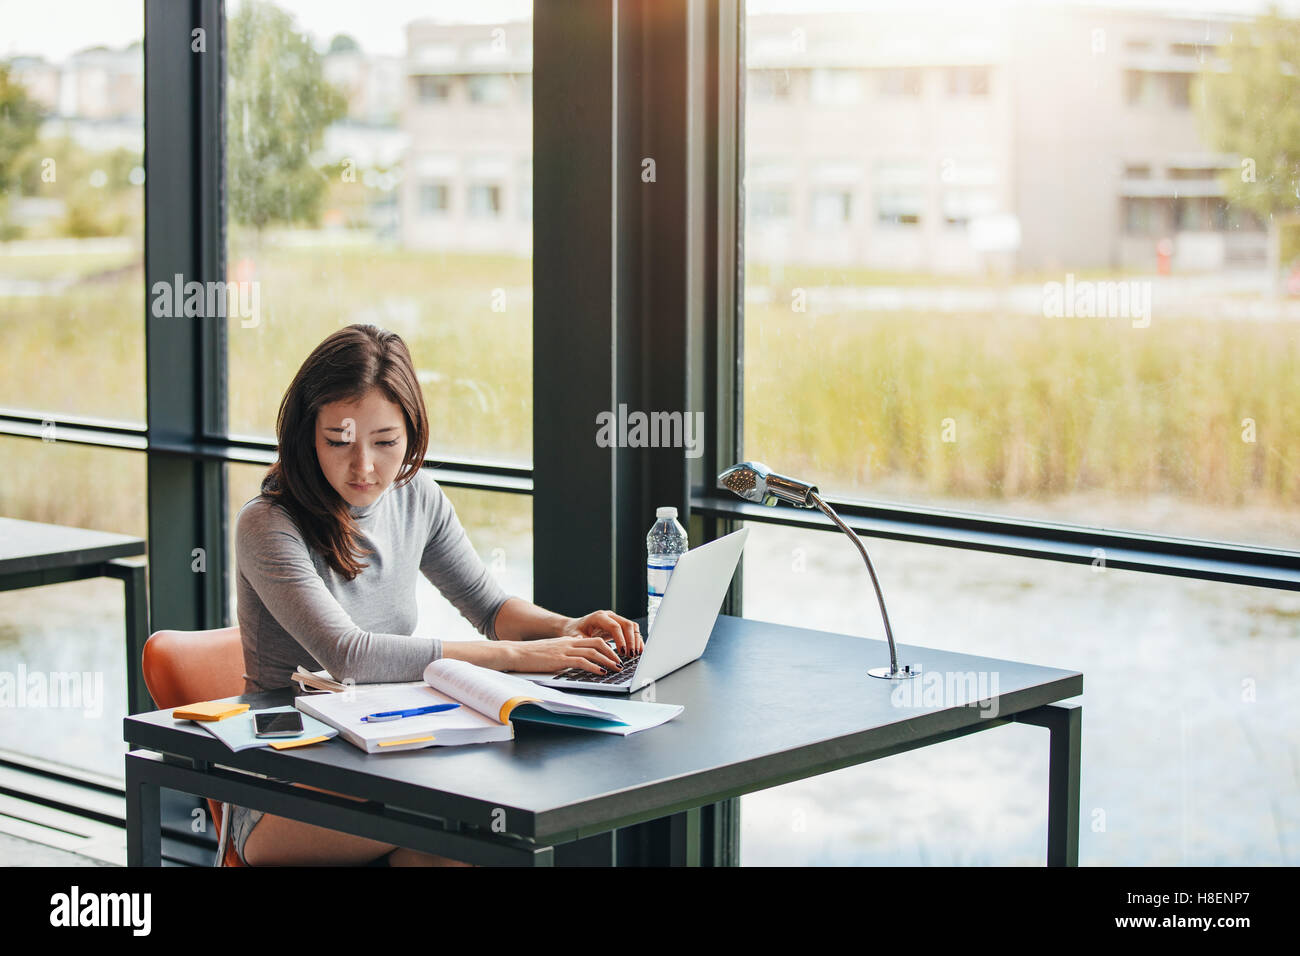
(754, 481)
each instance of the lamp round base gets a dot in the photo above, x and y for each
(886, 673)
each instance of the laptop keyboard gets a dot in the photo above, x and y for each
(629, 662)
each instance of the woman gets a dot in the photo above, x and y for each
(352, 433)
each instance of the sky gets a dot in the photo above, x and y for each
(57, 28)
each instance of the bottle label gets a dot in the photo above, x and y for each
(658, 570)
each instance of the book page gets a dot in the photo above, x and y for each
(379, 698)
(496, 694)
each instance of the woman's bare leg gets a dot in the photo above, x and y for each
(403, 856)
(279, 841)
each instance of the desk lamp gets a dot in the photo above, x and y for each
(754, 481)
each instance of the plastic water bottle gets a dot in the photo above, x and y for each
(665, 543)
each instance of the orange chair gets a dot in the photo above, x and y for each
(185, 667)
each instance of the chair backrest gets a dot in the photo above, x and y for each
(185, 667)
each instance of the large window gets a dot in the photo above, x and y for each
(75, 630)
(72, 210)
(1207, 726)
(72, 312)
(1017, 327)
(370, 164)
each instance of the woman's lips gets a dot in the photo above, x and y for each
(360, 487)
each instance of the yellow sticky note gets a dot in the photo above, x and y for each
(209, 710)
(409, 740)
(286, 744)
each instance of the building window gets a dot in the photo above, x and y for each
(901, 82)
(835, 87)
(962, 204)
(768, 203)
(433, 89)
(525, 180)
(769, 86)
(484, 201)
(1137, 171)
(898, 206)
(1141, 88)
(1180, 90)
(434, 199)
(492, 89)
(830, 208)
(1144, 216)
(1201, 173)
(968, 81)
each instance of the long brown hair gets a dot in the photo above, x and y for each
(344, 367)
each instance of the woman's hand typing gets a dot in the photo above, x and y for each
(556, 653)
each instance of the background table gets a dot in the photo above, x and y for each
(766, 705)
(33, 554)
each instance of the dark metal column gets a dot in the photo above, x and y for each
(185, 358)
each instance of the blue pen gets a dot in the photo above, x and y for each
(413, 712)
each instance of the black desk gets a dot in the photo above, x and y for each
(766, 705)
(32, 554)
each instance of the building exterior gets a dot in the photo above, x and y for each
(467, 108)
(96, 96)
(1030, 138)
(1054, 138)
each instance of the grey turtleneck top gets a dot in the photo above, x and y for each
(295, 609)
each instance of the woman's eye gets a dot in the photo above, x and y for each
(340, 444)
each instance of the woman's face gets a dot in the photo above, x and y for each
(361, 445)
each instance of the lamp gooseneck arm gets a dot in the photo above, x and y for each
(880, 597)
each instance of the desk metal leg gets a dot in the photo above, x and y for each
(598, 850)
(131, 572)
(702, 836)
(1064, 722)
(143, 818)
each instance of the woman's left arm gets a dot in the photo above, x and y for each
(520, 620)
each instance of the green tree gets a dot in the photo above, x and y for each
(1252, 110)
(20, 120)
(278, 106)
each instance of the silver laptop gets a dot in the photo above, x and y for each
(682, 625)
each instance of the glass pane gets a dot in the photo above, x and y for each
(499, 525)
(49, 634)
(1037, 260)
(379, 164)
(1187, 686)
(72, 208)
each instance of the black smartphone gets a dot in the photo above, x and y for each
(285, 723)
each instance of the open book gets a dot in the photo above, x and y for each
(489, 701)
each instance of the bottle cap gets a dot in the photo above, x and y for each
(668, 511)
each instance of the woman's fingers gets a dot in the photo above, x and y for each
(582, 663)
(592, 656)
(621, 629)
(598, 647)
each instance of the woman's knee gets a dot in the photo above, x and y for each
(279, 841)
